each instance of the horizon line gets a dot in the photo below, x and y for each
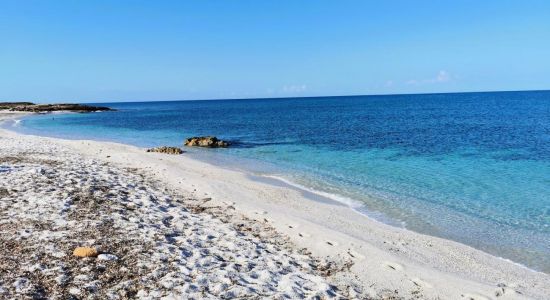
(295, 97)
(329, 96)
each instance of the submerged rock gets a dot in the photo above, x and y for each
(206, 141)
(167, 150)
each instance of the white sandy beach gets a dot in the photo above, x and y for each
(183, 228)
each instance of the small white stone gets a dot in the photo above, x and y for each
(35, 267)
(74, 291)
(85, 269)
(108, 257)
(22, 284)
(81, 278)
(62, 279)
(57, 254)
(25, 233)
(142, 293)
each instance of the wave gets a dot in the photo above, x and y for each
(356, 205)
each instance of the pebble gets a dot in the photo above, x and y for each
(62, 279)
(85, 252)
(107, 257)
(74, 291)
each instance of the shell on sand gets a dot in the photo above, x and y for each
(85, 252)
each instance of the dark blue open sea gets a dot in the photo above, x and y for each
(470, 167)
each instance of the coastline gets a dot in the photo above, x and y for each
(384, 257)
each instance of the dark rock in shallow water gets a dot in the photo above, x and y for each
(167, 150)
(206, 141)
(31, 107)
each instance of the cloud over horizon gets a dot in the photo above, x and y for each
(441, 77)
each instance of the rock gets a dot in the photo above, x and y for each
(74, 291)
(81, 278)
(167, 150)
(206, 141)
(85, 252)
(22, 285)
(107, 257)
(4, 193)
(62, 279)
(41, 108)
(10, 105)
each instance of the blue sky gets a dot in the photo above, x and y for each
(89, 51)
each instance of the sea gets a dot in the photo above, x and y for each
(468, 167)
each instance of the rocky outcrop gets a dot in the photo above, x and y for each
(41, 108)
(206, 141)
(166, 150)
(10, 105)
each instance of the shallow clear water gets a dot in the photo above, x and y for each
(474, 168)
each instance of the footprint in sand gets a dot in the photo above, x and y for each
(292, 226)
(393, 265)
(503, 290)
(421, 283)
(354, 254)
(229, 205)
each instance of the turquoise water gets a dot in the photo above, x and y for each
(473, 167)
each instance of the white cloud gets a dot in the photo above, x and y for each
(441, 77)
(294, 88)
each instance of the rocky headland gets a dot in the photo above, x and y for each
(45, 108)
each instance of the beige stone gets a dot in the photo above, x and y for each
(85, 252)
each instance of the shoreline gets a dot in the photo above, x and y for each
(328, 198)
(394, 258)
(356, 207)
(256, 170)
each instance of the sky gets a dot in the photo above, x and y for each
(106, 51)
